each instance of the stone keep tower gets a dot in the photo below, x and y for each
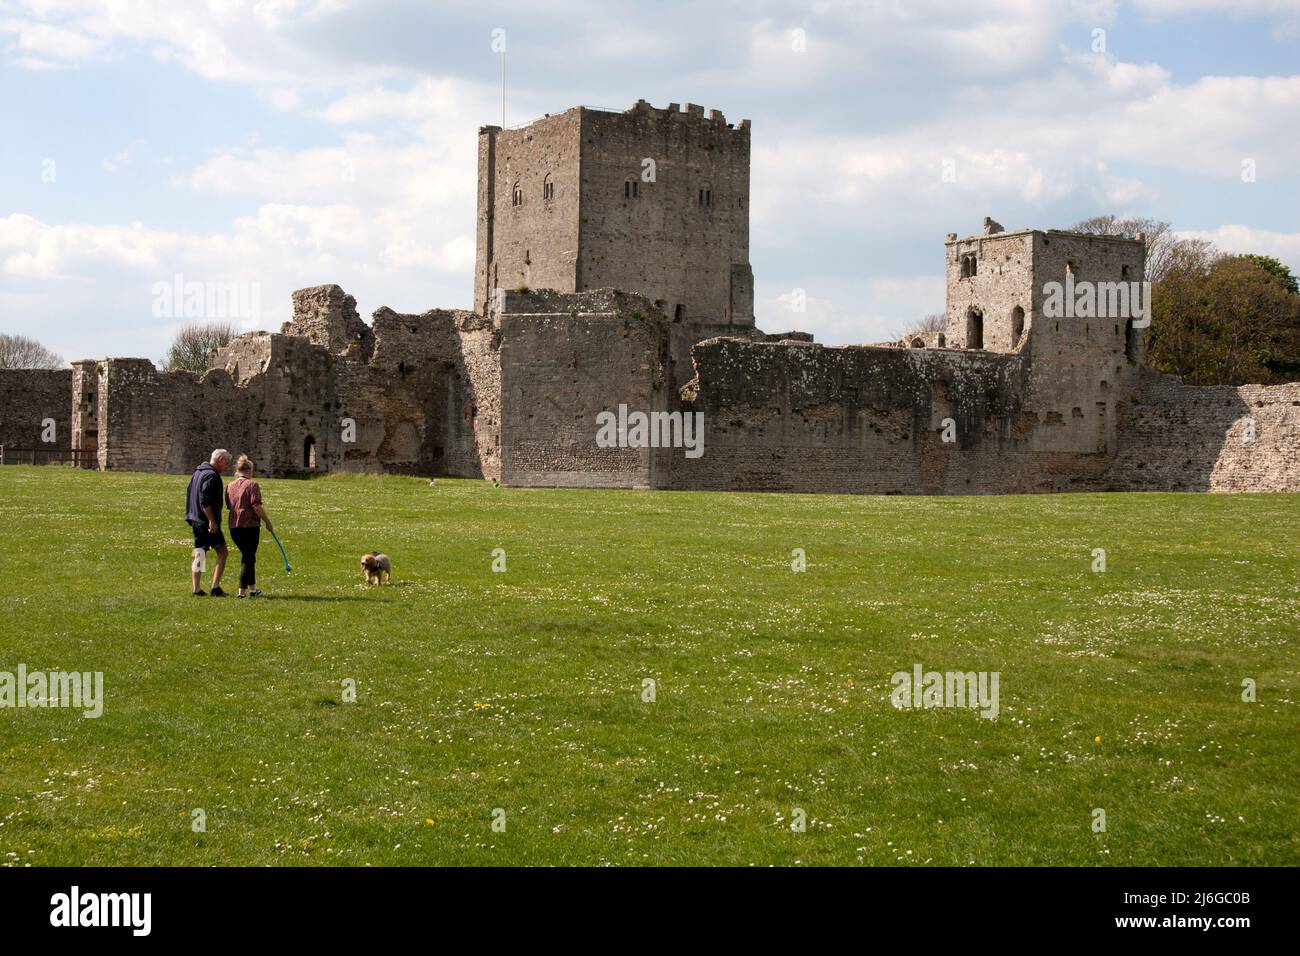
(649, 201)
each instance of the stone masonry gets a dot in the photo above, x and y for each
(613, 273)
(29, 398)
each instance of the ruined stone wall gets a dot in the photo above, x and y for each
(27, 398)
(296, 408)
(528, 240)
(275, 401)
(560, 369)
(327, 316)
(397, 400)
(794, 416)
(168, 421)
(391, 398)
(439, 377)
(85, 410)
(474, 409)
(1178, 437)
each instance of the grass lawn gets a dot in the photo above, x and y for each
(523, 690)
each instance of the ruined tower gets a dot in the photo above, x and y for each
(998, 282)
(649, 201)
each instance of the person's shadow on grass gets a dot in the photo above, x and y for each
(310, 597)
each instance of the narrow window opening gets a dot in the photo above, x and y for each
(974, 329)
(1130, 341)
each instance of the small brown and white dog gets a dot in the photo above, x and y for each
(374, 566)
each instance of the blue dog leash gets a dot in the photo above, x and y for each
(287, 569)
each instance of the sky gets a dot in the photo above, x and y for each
(270, 145)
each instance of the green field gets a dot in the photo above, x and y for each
(523, 690)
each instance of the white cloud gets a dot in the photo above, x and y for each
(426, 99)
(267, 41)
(895, 303)
(47, 44)
(373, 183)
(1284, 246)
(121, 159)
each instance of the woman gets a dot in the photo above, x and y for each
(244, 499)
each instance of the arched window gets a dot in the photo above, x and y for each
(548, 187)
(706, 195)
(631, 188)
(965, 267)
(974, 329)
(1017, 325)
(974, 267)
(516, 194)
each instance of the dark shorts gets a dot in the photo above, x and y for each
(203, 539)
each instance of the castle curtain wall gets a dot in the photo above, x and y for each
(1178, 437)
(27, 398)
(801, 417)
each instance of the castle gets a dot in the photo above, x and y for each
(612, 275)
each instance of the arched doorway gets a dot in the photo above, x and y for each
(309, 453)
(1017, 325)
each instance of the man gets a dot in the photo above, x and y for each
(203, 512)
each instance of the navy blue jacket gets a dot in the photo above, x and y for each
(205, 489)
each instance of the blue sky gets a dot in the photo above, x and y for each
(285, 143)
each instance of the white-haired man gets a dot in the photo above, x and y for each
(203, 513)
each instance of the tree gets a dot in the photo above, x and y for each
(1269, 264)
(934, 322)
(1165, 250)
(194, 343)
(18, 351)
(1232, 322)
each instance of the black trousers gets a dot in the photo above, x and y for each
(246, 541)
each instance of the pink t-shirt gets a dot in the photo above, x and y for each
(241, 495)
